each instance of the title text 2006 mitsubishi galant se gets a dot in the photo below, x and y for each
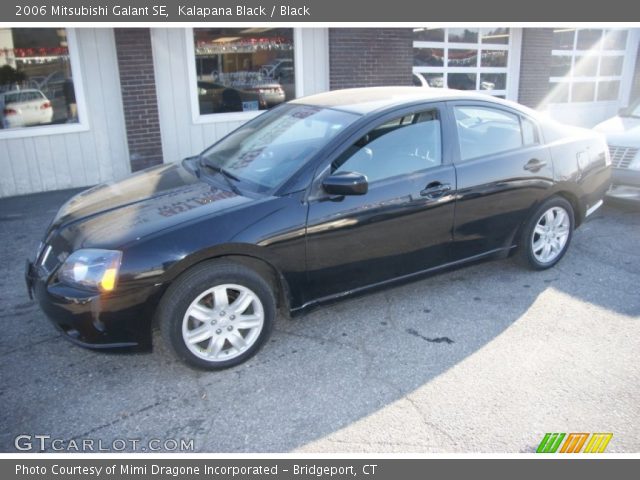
(319, 198)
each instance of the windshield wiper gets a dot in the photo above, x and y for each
(228, 177)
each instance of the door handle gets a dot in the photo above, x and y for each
(534, 165)
(435, 190)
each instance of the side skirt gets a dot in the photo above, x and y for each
(498, 252)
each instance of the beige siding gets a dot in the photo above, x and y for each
(77, 159)
(181, 135)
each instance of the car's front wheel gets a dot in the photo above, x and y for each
(217, 315)
(547, 234)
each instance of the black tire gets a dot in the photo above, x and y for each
(526, 254)
(189, 286)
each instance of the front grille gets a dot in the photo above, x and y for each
(621, 157)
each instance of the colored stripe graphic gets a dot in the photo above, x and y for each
(550, 443)
(598, 442)
(574, 443)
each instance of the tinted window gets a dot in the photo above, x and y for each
(486, 131)
(404, 145)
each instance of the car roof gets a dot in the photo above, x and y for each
(23, 90)
(370, 99)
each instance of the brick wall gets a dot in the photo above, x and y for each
(135, 62)
(535, 65)
(368, 57)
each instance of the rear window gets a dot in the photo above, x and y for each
(29, 96)
(11, 98)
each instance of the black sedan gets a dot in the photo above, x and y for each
(320, 198)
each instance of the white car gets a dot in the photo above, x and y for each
(623, 137)
(22, 108)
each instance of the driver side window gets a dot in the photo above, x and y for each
(402, 146)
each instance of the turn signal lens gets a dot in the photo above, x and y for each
(108, 281)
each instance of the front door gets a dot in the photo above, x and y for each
(402, 225)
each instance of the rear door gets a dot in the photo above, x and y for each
(503, 170)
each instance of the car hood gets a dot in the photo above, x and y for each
(621, 131)
(113, 214)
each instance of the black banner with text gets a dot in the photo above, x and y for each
(296, 469)
(312, 11)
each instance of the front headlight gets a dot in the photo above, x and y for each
(92, 268)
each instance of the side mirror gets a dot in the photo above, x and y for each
(346, 183)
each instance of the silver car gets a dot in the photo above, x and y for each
(623, 137)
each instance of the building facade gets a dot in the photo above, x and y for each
(90, 105)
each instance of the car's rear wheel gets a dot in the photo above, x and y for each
(217, 315)
(547, 234)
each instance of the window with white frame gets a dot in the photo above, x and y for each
(586, 64)
(243, 69)
(37, 86)
(462, 58)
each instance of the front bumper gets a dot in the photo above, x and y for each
(92, 319)
(625, 176)
(625, 185)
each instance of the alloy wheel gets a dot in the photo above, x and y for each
(550, 234)
(223, 322)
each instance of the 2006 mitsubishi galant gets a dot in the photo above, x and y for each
(319, 198)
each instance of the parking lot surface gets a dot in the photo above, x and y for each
(483, 359)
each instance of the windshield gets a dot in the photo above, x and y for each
(265, 152)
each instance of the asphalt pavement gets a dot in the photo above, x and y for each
(483, 359)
